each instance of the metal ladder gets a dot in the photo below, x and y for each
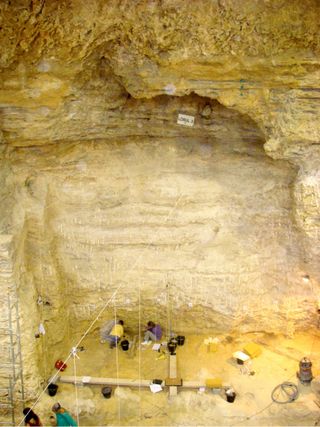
(11, 372)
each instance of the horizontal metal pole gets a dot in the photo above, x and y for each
(124, 382)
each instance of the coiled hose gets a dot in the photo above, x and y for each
(289, 390)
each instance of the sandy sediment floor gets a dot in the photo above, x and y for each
(278, 362)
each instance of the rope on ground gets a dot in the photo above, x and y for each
(139, 347)
(117, 364)
(74, 353)
(168, 310)
(247, 418)
(41, 303)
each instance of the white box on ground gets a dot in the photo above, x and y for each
(185, 120)
(155, 388)
(241, 356)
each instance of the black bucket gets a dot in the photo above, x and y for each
(231, 397)
(172, 347)
(106, 391)
(180, 339)
(125, 345)
(52, 389)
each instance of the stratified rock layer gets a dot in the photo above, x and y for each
(210, 226)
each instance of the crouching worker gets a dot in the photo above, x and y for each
(31, 418)
(105, 330)
(153, 332)
(115, 334)
(63, 418)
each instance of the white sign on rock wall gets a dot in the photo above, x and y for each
(185, 120)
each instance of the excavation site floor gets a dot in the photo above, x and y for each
(196, 361)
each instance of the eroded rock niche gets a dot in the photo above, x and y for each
(194, 228)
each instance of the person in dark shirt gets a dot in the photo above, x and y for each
(30, 418)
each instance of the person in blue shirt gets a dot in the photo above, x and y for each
(63, 418)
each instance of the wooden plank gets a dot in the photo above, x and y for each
(104, 381)
(172, 366)
(173, 390)
(121, 382)
(173, 382)
(193, 384)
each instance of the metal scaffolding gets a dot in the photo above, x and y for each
(11, 372)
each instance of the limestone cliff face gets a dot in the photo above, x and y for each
(102, 190)
(260, 57)
(177, 216)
